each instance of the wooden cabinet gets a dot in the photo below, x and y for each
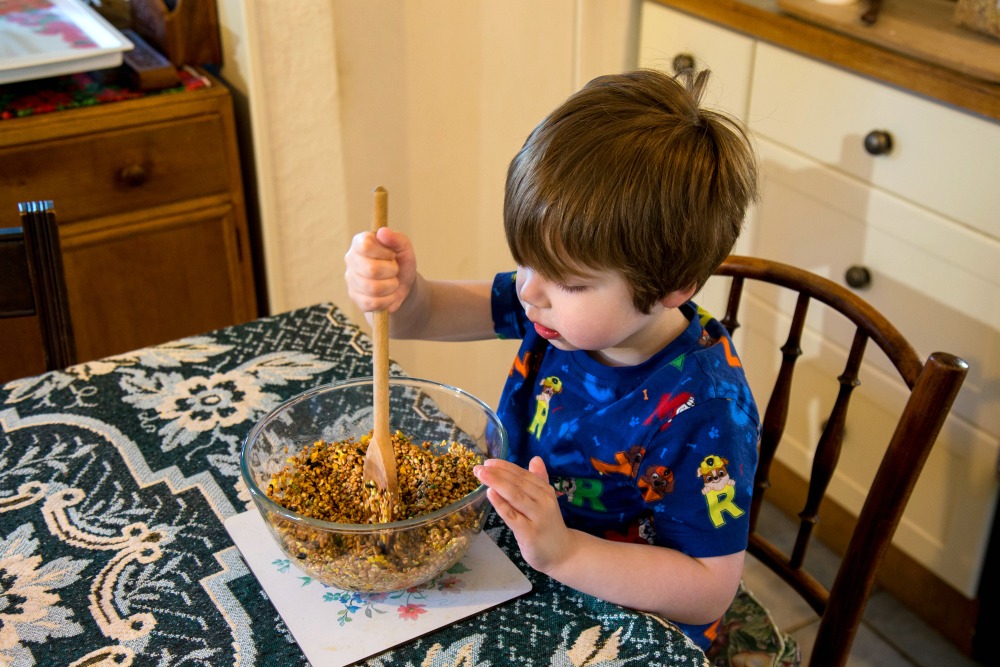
(153, 227)
(921, 218)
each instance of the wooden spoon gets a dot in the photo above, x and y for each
(380, 462)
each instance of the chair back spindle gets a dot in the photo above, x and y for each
(776, 414)
(828, 449)
(33, 283)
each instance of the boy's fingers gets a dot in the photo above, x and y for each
(496, 472)
(525, 493)
(525, 489)
(500, 504)
(390, 239)
(512, 514)
(537, 467)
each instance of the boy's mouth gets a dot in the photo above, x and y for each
(545, 332)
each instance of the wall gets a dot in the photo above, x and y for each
(429, 98)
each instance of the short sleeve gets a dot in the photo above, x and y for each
(715, 456)
(509, 320)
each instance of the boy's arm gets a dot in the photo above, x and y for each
(382, 274)
(650, 578)
(447, 310)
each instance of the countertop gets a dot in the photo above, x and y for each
(763, 20)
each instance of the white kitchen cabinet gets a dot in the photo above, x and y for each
(921, 218)
(941, 158)
(666, 34)
(818, 218)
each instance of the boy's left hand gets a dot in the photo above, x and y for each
(528, 505)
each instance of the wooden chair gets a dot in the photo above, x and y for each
(933, 385)
(32, 282)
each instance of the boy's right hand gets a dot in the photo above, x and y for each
(381, 270)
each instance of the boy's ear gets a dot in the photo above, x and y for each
(676, 299)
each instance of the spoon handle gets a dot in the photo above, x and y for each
(380, 367)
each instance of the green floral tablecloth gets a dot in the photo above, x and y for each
(116, 476)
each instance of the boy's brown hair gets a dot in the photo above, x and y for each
(630, 174)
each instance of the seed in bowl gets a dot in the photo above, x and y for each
(325, 480)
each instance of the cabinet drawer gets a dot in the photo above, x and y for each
(666, 33)
(127, 169)
(941, 158)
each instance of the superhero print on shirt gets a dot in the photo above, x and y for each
(581, 492)
(639, 531)
(670, 406)
(550, 387)
(655, 483)
(719, 490)
(626, 463)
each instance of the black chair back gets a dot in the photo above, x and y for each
(32, 282)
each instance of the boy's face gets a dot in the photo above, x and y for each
(593, 312)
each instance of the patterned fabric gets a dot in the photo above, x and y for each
(28, 98)
(116, 476)
(748, 637)
(666, 448)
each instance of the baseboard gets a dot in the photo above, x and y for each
(924, 593)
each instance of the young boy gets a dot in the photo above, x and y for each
(632, 429)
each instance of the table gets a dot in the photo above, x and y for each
(116, 476)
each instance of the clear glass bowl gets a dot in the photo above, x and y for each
(373, 558)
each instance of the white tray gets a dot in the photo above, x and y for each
(334, 628)
(26, 52)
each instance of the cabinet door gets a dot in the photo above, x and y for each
(937, 281)
(21, 352)
(940, 284)
(133, 285)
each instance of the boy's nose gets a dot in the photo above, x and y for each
(532, 289)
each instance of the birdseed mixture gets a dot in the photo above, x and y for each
(325, 481)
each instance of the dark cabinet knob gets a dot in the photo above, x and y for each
(683, 62)
(133, 174)
(858, 277)
(878, 142)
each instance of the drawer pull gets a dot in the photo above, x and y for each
(878, 142)
(858, 277)
(683, 62)
(133, 174)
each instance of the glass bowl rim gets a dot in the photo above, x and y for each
(262, 501)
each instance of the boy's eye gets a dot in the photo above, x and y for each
(572, 289)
